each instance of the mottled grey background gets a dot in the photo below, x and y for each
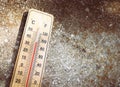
(85, 44)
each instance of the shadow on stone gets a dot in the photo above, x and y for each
(15, 50)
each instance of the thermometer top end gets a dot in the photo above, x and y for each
(31, 10)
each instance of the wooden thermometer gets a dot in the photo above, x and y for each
(30, 62)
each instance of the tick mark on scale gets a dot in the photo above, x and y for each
(45, 25)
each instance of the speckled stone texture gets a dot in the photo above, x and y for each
(85, 43)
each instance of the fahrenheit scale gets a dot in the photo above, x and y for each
(29, 66)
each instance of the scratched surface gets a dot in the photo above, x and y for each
(85, 44)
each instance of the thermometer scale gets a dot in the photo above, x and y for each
(30, 61)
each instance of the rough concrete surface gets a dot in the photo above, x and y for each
(85, 44)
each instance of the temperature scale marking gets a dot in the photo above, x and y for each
(30, 61)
